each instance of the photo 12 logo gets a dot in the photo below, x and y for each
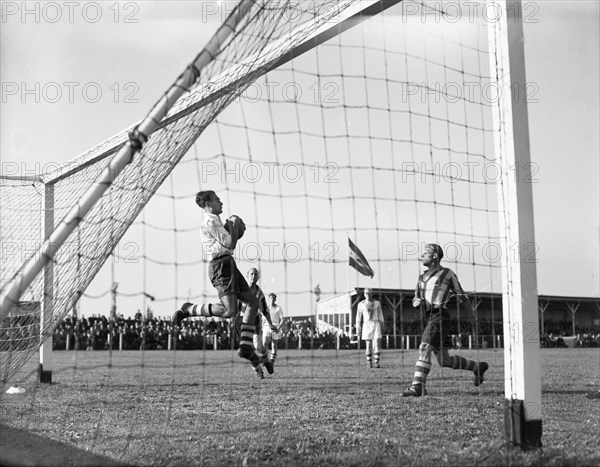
(474, 252)
(280, 252)
(470, 92)
(294, 13)
(69, 12)
(449, 11)
(52, 92)
(468, 171)
(269, 172)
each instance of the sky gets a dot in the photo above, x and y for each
(74, 76)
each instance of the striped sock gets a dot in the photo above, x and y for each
(369, 359)
(422, 369)
(457, 362)
(376, 356)
(201, 310)
(273, 353)
(247, 345)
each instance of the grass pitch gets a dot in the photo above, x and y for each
(320, 408)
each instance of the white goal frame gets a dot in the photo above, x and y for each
(523, 409)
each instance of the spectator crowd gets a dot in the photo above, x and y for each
(139, 333)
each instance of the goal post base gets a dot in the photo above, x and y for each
(526, 434)
(44, 376)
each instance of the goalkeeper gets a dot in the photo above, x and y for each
(219, 242)
(432, 294)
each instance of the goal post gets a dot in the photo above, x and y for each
(388, 128)
(522, 390)
(46, 361)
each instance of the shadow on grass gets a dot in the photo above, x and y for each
(566, 392)
(22, 448)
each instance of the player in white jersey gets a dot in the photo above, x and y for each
(219, 242)
(369, 311)
(272, 334)
(435, 288)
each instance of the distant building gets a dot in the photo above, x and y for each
(568, 313)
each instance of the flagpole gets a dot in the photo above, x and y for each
(348, 259)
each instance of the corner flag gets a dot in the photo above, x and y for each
(358, 261)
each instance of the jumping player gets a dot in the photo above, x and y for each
(219, 242)
(435, 287)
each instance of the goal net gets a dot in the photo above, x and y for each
(382, 134)
(316, 123)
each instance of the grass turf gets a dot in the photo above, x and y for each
(321, 407)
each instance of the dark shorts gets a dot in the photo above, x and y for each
(226, 277)
(437, 331)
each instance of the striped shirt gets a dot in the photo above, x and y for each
(263, 309)
(215, 239)
(436, 288)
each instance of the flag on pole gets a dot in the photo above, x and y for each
(358, 261)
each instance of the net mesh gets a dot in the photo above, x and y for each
(382, 135)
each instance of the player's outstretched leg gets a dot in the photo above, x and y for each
(478, 378)
(181, 314)
(456, 362)
(189, 309)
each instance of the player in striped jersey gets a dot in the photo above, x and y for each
(436, 286)
(263, 319)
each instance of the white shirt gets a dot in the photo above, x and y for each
(215, 239)
(372, 315)
(276, 317)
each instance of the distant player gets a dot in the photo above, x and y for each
(369, 311)
(435, 287)
(263, 318)
(272, 332)
(219, 242)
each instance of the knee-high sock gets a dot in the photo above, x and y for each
(369, 352)
(201, 310)
(273, 349)
(259, 348)
(422, 369)
(376, 351)
(457, 362)
(247, 345)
